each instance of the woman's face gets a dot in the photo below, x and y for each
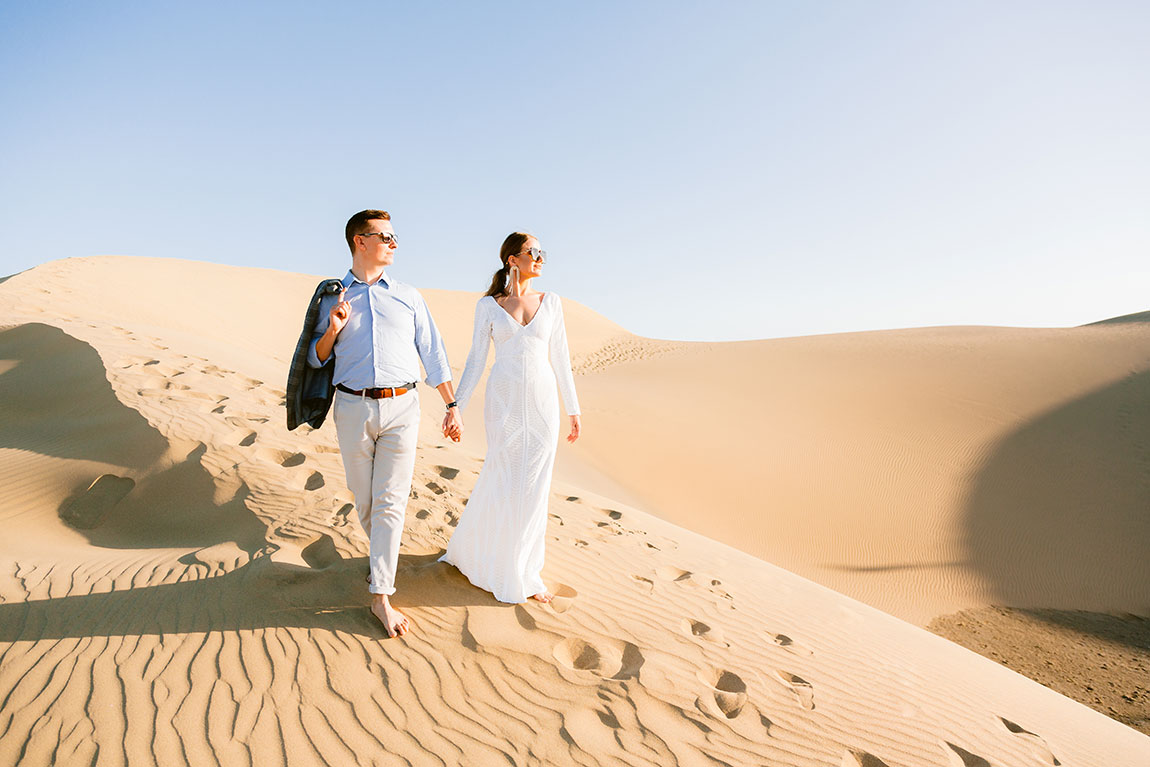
(528, 266)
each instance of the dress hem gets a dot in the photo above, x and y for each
(484, 588)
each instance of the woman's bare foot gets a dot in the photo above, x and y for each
(394, 622)
(543, 596)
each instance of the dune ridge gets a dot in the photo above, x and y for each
(215, 611)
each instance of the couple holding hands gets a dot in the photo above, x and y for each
(363, 340)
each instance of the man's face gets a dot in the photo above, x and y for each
(372, 245)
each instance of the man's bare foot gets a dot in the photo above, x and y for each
(543, 596)
(394, 622)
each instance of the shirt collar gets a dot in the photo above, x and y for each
(350, 278)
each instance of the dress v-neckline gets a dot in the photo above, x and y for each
(512, 318)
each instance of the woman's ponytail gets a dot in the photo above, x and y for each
(498, 287)
(511, 246)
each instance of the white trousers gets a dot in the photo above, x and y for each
(377, 439)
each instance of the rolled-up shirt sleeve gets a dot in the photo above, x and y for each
(320, 329)
(429, 344)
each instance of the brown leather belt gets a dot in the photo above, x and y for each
(378, 393)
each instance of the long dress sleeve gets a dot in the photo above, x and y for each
(561, 361)
(477, 357)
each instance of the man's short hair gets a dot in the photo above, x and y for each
(357, 224)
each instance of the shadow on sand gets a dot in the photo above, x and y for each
(261, 594)
(56, 401)
(1057, 520)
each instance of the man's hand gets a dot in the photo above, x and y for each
(340, 313)
(453, 424)
(338, 317)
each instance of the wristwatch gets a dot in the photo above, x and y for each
(452, 404)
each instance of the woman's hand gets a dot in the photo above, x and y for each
(575, 431)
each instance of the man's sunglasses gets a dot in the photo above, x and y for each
(387, 238)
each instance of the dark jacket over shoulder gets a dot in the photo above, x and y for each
(310, 390)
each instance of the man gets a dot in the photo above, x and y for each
(378, 330)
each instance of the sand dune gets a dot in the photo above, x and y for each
(921, 471)
(204, 602)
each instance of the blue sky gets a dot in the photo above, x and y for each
(702, 171)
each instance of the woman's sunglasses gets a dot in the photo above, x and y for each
(536, 254)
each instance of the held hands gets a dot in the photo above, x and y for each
(453, 424)
(575, 429)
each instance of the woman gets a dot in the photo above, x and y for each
(499, 542)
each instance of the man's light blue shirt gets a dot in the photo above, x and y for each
(389, 333)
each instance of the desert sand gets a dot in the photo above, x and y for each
(745, 545)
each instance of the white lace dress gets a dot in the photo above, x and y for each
(499, 542)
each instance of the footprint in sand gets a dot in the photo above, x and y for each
(609, 528)
(248, 439)
(1037, 742)
(320, 553)
(314, 482)
(433, 487)
(579, 654)
(187, 393)
(556, 519)
(447, 472)
(957, 756)
(647, 584)
(702, 631)
(525, 619)
(674, 574)
(451, 517)
(581, 544)
(422, 514)
(284, 458)
(573, 499)
(134, 361)
(88, 510)
(341, 516)
(728, 689)
(616, 515)
(853, 758)
(802, 689)
(609, 659)
(564, 597)
(784, 641)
